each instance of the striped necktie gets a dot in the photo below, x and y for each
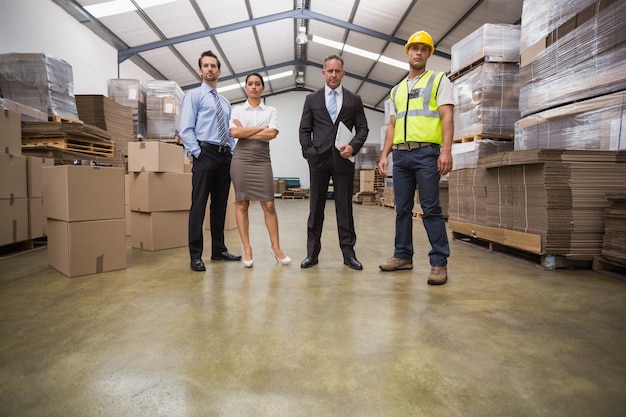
(221, 120)
(332, 105)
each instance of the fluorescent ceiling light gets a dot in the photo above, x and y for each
(361, 52)
(242, 85)
(114, 7)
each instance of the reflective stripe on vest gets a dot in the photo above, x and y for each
(417, 110)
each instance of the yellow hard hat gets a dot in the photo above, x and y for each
(420, 37)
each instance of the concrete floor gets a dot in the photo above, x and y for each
(502, 338)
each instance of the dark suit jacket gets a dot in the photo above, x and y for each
(318, 132)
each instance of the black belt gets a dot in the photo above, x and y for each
(407, 146)
(218, 148)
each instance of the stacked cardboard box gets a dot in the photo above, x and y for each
(85, 219)
(614, 240)
(13, 184)
(159, 195)
(131, 93)
(40, 81)
(105, 113)
(164, 101)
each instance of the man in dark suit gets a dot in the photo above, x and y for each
(323, 111)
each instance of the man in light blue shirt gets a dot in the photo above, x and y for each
(204, 130)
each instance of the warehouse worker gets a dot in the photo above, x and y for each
(324, 112)
(204, 130)
(419, 134)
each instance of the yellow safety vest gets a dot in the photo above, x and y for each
(417, 117)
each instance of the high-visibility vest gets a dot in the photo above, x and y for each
(417, 117)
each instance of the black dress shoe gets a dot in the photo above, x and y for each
(308, 262)
(225, 256)
(353, 263)
(197, 265)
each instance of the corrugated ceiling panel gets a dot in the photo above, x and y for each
(162, 17)
(336, 9)
(168, 64)
(242, 52)
(276, 47)
(220, 13)
(130, 28)
(266, 8)
(381, 16)
(191, 52)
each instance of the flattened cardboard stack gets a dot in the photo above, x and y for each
(564, 42)
(557, 194)
(39, 81)
(164, 100)
(105, 113)
(615, 230)
(594, 124)
(131, 93)
(160, 195)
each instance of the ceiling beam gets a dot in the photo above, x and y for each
(124, 54)
(295, 62)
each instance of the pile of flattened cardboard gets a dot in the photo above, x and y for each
(105, 113)
(560, 195)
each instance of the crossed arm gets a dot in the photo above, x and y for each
(254, 132)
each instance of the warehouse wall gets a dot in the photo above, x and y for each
(43, 27)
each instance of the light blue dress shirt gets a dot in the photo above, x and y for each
(198, 121)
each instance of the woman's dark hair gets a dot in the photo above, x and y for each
(256, 74)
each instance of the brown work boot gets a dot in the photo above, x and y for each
(438, 275)
(395, 264)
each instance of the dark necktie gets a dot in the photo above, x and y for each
(221, 120)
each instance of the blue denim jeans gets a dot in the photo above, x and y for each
(411, 169)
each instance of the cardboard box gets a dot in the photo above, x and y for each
(81, 193)
(34, 174)
(36, 218)
(12, 176)
(160, 229)
(13, 220)
(10, 132)
(155, 157)
(129, 230)
(366, 183)
(86, 247)
(159, 191)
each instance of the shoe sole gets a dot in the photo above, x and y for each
(431, 282)
(401, 268)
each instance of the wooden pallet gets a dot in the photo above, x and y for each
(608, 268)
(19, 248)
(99, 148)
(60, 119)
(519, 244)
(481, 136)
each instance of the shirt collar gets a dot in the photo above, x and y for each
(248, 106)
(327, 90)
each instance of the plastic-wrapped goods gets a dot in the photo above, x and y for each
(487, 101)
(367, 157)
(579, 58)
(465, 155)
(594, 124)
(131, 93)
(39, 81)
(544, 21)
(493, 42)
(164, 100)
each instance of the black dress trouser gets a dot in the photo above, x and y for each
(210, 176)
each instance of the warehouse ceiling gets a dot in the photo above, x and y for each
(166, 37)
